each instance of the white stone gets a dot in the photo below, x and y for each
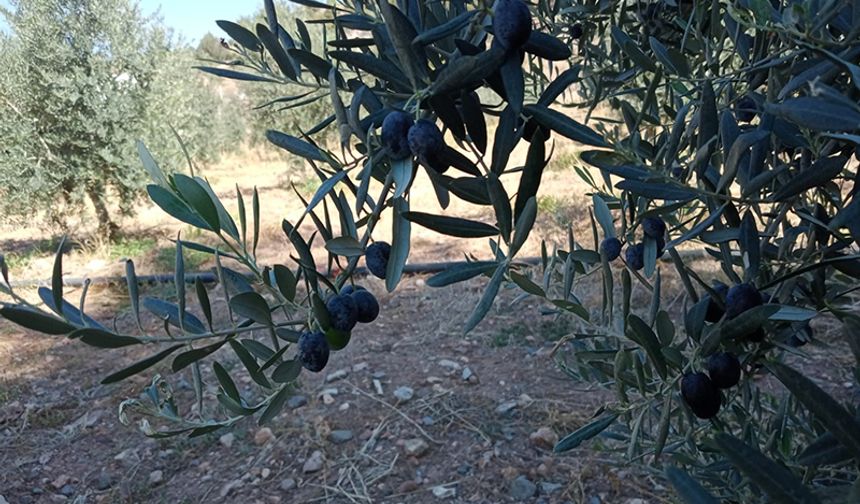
(314, 463)
(443, 492)
(340, 374)
(227, 440)
(446, 363)
(156, 477)
(263, 436)
(404, 393)
(415, 447)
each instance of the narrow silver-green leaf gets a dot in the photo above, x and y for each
(776, 481)
(179, 281)
(133, 291)
(295, 145)
(240, 34)
(287, 371)
(275, 406)
(400, 241)
(641, 333)
(564, 125)
(816, 113)
(584, 433)
(460, 272)
(844, 426)
(139, 366)
(346, 246)
(487, 298)
(603, 216)
(252, 306)
(226, 382)
(57, 277)
(401, 173)
(689, 489)
(524, 225)
(452, 226)
(285, 280)
(35, 320)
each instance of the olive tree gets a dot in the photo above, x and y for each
(727, 125)
(82, 80)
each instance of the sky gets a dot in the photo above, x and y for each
(194, 18)
(190, 18)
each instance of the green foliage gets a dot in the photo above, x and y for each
(82, 81)
(769, 195)
(289, 106)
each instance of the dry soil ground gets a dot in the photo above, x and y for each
(62, 440)
(461, 433)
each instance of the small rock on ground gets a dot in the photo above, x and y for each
(156, 477)
(328, 395)
(128, 457)
(340, 436)
(469, 376)
(407, 487)
(227, 440)
(444, 492)
(404, 393)
(332, 391)
(314, 463)
(547, 487)
(297, 401)
(60, 481)
(263, 436)
(340, 374)
(506, 407)
(103, 482)
(522, 489)
(287, 484)
(415, 447)
(544, 437)
(447, 363)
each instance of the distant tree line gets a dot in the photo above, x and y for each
(81, 81)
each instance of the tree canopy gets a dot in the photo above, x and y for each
(82, 81)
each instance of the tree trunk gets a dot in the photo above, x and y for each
(107, 228)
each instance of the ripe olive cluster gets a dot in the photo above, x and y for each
(345, 309)
(353, 304)
(734, 301)
(634, 256)
(403, 136)
(701, 391)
